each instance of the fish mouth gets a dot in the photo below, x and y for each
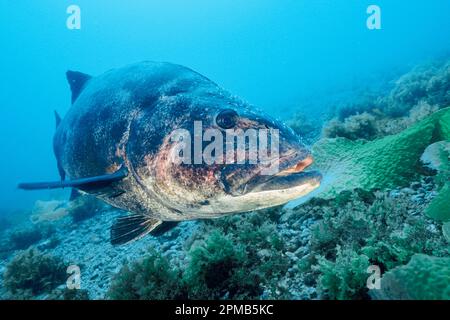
(292, 175)
(294, 165)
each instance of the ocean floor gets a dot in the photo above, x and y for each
(86, 244)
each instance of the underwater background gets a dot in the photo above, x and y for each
(350, 92)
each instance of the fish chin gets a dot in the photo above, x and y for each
(280, 190)
(276, 191)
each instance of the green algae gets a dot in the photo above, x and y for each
(380, 164)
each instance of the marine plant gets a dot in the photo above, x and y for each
(359, 126)
(365, 102)
(31, 273)
(383, 163)
(414, 96)
(62, 292)
(344, 278)
(23, 238)
(357, 228)
(256, 248)
(216, 268)
(428, 83)
(46, 211)
(235, 258)
(151, 278)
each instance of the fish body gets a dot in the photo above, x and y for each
(117, 143)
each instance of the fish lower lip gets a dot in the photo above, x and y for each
(286, 181)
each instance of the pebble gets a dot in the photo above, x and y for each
(407, 191)
(418, 198)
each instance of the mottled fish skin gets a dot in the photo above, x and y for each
(125, 117)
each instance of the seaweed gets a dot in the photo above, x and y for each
(256, 237)
(152, 278)
(359, 126)
(345, 277)
(229, 258)
(217, 269)
(23, 238)
(31, 273)
(354, 231)
(415, 95)
(428, 83)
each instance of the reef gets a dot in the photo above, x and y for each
(384, 203)
(226, 260)
(321, 249)
(318, 250)
(358, 229)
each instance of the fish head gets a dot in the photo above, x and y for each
(222, 158)
(278, 176)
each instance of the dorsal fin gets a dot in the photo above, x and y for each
(77, 81)
(57, 118)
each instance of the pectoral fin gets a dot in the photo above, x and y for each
(132, 227)
(90, 183)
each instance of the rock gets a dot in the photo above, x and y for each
(264, 253)
(422, 191)
(395, 194)
(435, 155)
(418, 198)
(94, 276)
(292, 256)
(407, 191)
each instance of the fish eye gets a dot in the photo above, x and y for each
(227, 119)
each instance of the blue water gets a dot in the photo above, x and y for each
(281, 55)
